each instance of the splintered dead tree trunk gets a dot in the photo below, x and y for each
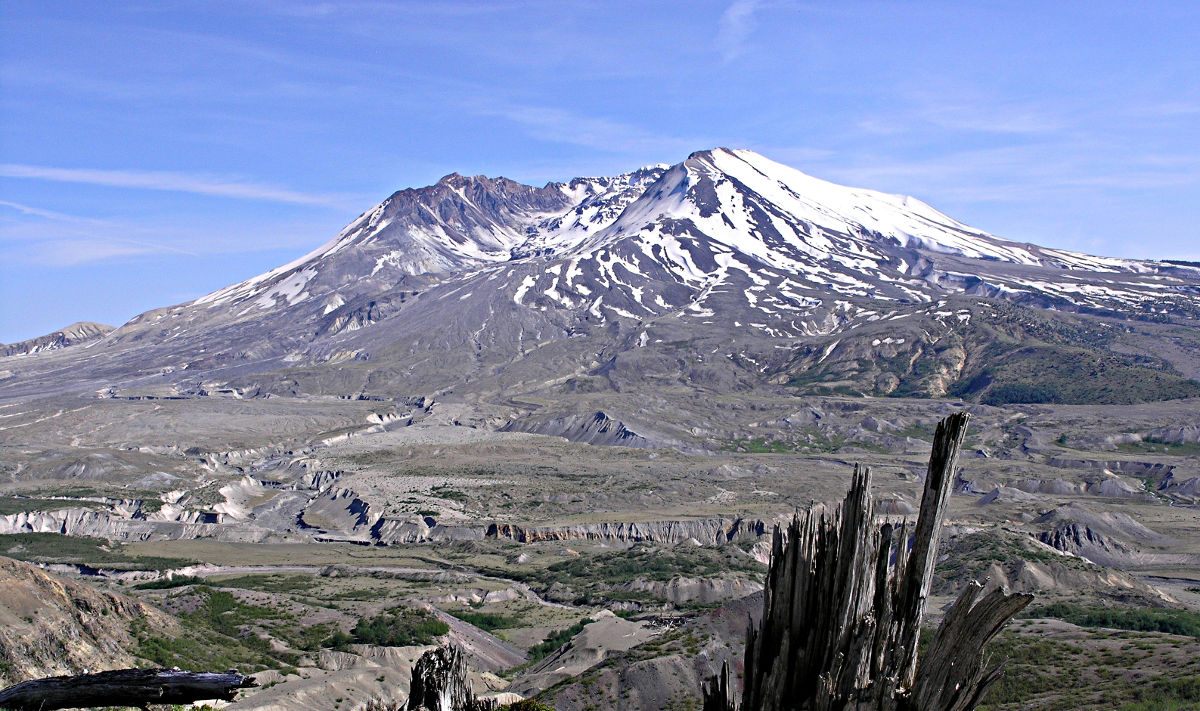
(842, 612)
(123, 687)
(439, 683)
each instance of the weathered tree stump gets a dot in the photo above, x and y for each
(439, 683)
(843, 605)
(123, 687)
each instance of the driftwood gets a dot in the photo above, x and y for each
(123, 687)
(843, 605)
(439, 683)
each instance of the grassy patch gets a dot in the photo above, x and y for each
(1165, 694)
(178, 581)
(81, 550)
(1097, 671)
(204, 650)
(1035, 667)
(445, 492)
(1139, 619)
(271, 582)
(488, 620)
(645, 562)
(597, 579)
(969, 556)
(21, 504)
(1155, 445)
(216, 637)
(222, 612)
(1071, 376)
(758, 446)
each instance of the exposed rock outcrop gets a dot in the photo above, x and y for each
(1110, 538)
(681, 590)
(102, 524)
(73, 335)
(421, 529)
(597, 428)
(713, 531)
(57, 626)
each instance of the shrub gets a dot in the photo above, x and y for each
(398, 627)
(556, 639)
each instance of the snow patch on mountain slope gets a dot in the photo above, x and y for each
(291, 290)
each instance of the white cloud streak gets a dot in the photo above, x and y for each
(39, 212)
(40, 237)
(735, 27)
(562, 126)
(173, 182)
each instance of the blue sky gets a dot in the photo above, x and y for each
(152, 151)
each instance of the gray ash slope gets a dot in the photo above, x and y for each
(724, 273)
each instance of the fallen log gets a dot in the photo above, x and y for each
(123, 687)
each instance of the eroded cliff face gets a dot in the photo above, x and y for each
(712, 531)
(56, 626)
(120, 526)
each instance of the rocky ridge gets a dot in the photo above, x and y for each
(55, 626)
(73, 335)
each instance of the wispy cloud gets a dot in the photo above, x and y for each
(563, 126)
(175, 182)
(40, 212)
(36, 236)
(735, 27)
(73, 252)
(970, 110)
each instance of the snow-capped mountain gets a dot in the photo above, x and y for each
(688, 224)
(775, 274)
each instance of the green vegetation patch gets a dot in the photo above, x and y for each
(649, 562)
(758, 446)
(556, 640)
(599, 579)
(1097, 671)
(1071, 376)
(969, 556)
(217, 637)
(178, 581)
(203, 650)
(1035, 667)
(1155, 445)
(1165, 693)
(446, 492)
(81, 550)
(397, 627)
(21, 504)
(221, 611)
(1138, 619)
(526, 705)
(488, 620)
(270, 582)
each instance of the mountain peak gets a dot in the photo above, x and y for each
(725, 242)
(692, 225)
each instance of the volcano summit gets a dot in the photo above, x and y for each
(725, 271)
